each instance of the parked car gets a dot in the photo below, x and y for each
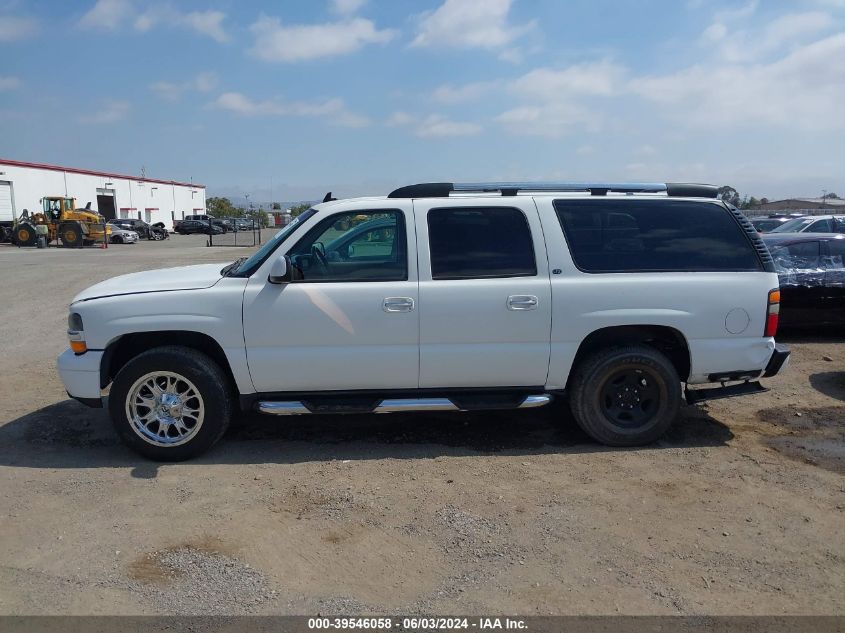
(120, 235)
(813, 224)
(812, 277)
(202, 217)
(769, 223)
(427, 301)
(187, 227)
(222, 225)
(143, 229)
(159, 231)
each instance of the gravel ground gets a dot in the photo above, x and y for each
(739, 510)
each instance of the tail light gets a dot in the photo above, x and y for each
(772, 313)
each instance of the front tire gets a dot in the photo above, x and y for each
(625, 396)
(171, 403)
(24, 234)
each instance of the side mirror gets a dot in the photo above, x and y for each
(280, 271)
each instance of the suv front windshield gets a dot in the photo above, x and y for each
(248, 266)
(792, 226)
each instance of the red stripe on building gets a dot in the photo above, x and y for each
(128, 208)
(88, 172)
(150, 208)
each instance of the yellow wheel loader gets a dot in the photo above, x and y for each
(71, 226)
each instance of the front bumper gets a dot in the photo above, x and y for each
(778, 362)
(81, 375)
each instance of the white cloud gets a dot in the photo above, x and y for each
(110, 15)
(346, 7)
(112, 112)
(9, 83)
(595, 78)
(469, 24)
(555, 99)
(203, 82)
(448, 93)
(13, 28)
(801, 90)
(433, 125)
(398, 119)
(275, 42)
(107, 14)
(550, 120)
(208, 23)
(781, 34)
(332, 110)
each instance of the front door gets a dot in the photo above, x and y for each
(350, 321)
(485, 294)
(834, 282)
(801, 276)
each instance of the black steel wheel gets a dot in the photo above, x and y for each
(71, 235)
(24, 234)
(625, 396)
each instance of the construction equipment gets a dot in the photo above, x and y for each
(73, 227)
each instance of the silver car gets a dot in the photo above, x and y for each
(122, 236)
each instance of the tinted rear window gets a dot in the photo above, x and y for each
(474, 242)
(654, 236)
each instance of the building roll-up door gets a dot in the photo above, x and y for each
(105, 206)
(7, 213)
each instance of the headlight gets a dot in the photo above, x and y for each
(76, 333)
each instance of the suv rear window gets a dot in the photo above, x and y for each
(654, 236)
(479, 242)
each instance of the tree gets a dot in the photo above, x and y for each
(222, 208)
(729, 194)
(296, 209)
(832, 196)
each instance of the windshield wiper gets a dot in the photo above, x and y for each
(233, 267)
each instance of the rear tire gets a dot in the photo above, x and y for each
(188, 413)
(625, 396)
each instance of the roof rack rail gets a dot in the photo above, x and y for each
(443, 189)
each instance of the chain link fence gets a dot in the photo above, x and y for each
(236, 232)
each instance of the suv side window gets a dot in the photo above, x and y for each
(480, 242)
(606, 236)
(353, 246)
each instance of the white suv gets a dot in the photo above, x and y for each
(443, 297)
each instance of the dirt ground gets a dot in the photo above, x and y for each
(738, 511)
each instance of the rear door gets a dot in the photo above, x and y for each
(485, 298)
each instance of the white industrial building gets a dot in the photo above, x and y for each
(22, 185)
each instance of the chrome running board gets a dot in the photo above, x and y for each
(392, 405)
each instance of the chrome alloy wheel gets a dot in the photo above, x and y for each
(165, 408)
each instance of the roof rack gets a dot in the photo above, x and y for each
(443, 189)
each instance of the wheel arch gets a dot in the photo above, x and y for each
(663, 338)
(126, 347)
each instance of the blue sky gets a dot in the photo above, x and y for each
(291, 99)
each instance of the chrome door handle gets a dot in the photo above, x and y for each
(522, 302)
(397, 304)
